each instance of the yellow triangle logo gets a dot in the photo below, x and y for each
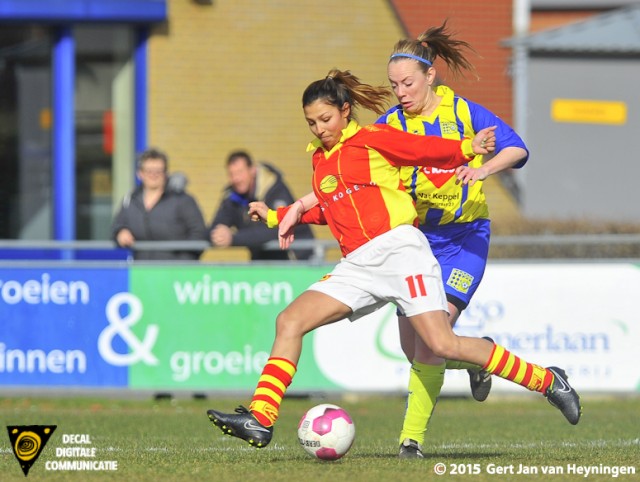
(27, 442)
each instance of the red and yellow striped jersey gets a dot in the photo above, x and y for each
(358, 182)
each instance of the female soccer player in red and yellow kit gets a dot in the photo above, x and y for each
(357, 183)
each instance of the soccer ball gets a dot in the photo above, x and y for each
(326, 431)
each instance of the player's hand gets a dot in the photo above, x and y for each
(286, 239)
(484, 141)
(469, 175)
(288, 224)
(258, 211)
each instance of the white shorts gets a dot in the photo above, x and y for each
(396, 267)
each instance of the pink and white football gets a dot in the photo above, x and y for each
(326, 431)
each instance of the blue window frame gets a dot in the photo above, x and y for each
(134, 11)
(63, 14)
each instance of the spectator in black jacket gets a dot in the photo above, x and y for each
(159, 210)
(232, 226)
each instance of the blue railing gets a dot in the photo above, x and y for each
(108, 250)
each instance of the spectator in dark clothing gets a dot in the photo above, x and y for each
(159, 210)
(232, 225)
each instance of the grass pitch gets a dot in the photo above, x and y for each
(172, 440)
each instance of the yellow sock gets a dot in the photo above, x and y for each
(425, 382)
(461, 365)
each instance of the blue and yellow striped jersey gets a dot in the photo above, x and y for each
(439, 200)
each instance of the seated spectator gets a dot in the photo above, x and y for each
(232, 225)
(159, 209)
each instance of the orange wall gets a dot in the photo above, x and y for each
(484, 25)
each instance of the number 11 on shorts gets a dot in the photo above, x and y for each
(416, 285)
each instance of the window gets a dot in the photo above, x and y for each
(104, 128)
(25, 132)
(104, 125)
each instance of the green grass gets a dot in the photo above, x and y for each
(173, 440)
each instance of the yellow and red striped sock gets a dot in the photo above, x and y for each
(275, 378)
(510, 367)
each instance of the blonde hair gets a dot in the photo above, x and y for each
(436, 42)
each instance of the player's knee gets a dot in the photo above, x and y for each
(440, 350)
(443, 347)
(287, 324)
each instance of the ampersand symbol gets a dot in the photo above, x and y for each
(120, 326)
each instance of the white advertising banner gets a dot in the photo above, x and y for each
(582, 317)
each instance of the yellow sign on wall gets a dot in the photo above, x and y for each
(589, 111)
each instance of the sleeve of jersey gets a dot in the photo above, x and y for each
(312, 216)
(403, 149)
(482, 117)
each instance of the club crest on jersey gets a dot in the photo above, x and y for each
(448, 127)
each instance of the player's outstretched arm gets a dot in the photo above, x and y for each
(292, 218)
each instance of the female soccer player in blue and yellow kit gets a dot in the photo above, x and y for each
(356, 181)
(451, 204)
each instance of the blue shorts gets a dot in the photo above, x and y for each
(462, 251)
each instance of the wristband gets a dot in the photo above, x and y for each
(466, 146)
(272, 218)
(302, 204)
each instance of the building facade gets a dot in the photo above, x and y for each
(87, 84)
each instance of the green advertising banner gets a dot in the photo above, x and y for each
(204, 328)
(212, 327)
